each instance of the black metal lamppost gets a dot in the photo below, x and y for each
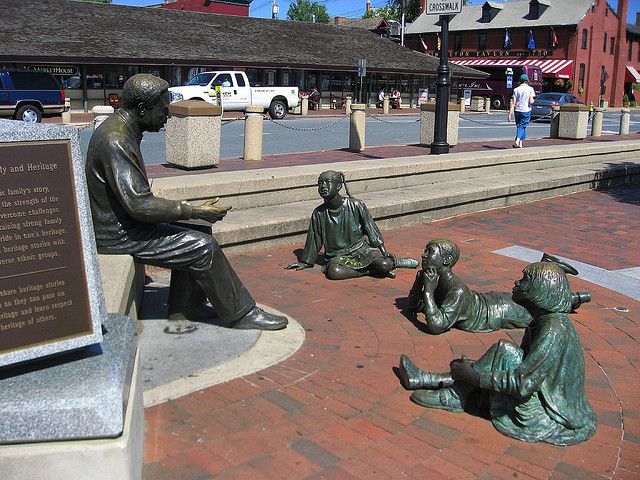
(443, 84)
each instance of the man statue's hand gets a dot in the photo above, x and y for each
(430, 279)
(298, 266)
(209, 211)
(462, 371)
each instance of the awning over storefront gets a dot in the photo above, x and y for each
(557, 68)
(632, 75)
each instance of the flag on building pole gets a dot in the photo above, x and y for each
(424, 45)
(532, 44)
(507, 38)
(554, 39)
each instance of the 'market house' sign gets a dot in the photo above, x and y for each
(443, 7)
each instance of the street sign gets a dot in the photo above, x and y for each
(443, 7)
(362, 67)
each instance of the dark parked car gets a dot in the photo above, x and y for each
(542, 106)
(27, 95)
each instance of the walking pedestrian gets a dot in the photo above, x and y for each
(523, 97)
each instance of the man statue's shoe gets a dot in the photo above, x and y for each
(413, 378)
(402, 262)
(443, 399)
(258, 319)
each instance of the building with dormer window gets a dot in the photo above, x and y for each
(581, 46)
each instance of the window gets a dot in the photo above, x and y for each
(613, 45)
(24, 80)
(457, 42)
(486, 14)
(604, 45)
(585, 37)
(581, 76)
(222, 80)
(240, 80)
(482, 41)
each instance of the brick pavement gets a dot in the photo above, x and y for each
(336, 410)
(344, 155)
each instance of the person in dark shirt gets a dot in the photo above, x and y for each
(129, 219)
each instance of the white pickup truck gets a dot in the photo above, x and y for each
(232, 91)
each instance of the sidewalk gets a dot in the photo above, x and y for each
(336, 410)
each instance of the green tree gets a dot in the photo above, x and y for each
(393, 10)
(304, 10)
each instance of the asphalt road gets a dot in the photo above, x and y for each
(296, 134)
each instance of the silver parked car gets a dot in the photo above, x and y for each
(542, 106)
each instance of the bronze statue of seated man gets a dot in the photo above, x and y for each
(129, 219)
(447, 302)
(340, 224)
(534, 392)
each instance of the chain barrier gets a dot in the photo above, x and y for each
(308, 129)
(387, 121)
(545, 117)
(227, 122)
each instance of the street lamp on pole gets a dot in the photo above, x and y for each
(443, 83)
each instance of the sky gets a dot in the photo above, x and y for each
(342, 8)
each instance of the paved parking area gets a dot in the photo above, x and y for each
(336, 410)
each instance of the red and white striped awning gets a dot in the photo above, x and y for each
(558, 68)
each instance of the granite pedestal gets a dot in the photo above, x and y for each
(428, 123)
(573, 121)
(193, 134)
(77, 412)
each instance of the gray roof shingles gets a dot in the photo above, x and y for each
(513, 15)
(67, 31)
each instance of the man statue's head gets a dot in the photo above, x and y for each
(440, 253)
(545, 286)
(329, 183)
(147, 98)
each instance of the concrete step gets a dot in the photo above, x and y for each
(273, 206)
(276, 186)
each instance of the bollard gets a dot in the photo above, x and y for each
(357, 128)
(462, 105)
(624, 121)
(100, 114)
(193, 134)
(554, 122)
(385, 105)
(304, 106)
(487, 105)
(596, 123)
(253, 119)
(347, 106)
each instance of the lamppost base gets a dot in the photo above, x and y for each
(438, 148)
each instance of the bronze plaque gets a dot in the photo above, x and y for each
(43, 288)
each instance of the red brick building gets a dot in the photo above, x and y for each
(225, 7)
(581, 43)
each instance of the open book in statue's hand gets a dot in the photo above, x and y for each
(209, 211)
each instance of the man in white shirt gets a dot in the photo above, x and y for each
(523, 97)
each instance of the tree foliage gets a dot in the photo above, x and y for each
(304, 10)
(393, 10)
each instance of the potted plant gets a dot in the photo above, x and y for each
(625, 100)
(580, 91)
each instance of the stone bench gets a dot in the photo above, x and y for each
(123, 283)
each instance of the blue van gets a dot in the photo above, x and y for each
(28, 95)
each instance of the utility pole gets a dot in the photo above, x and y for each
(275, 9)
(402, 23)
